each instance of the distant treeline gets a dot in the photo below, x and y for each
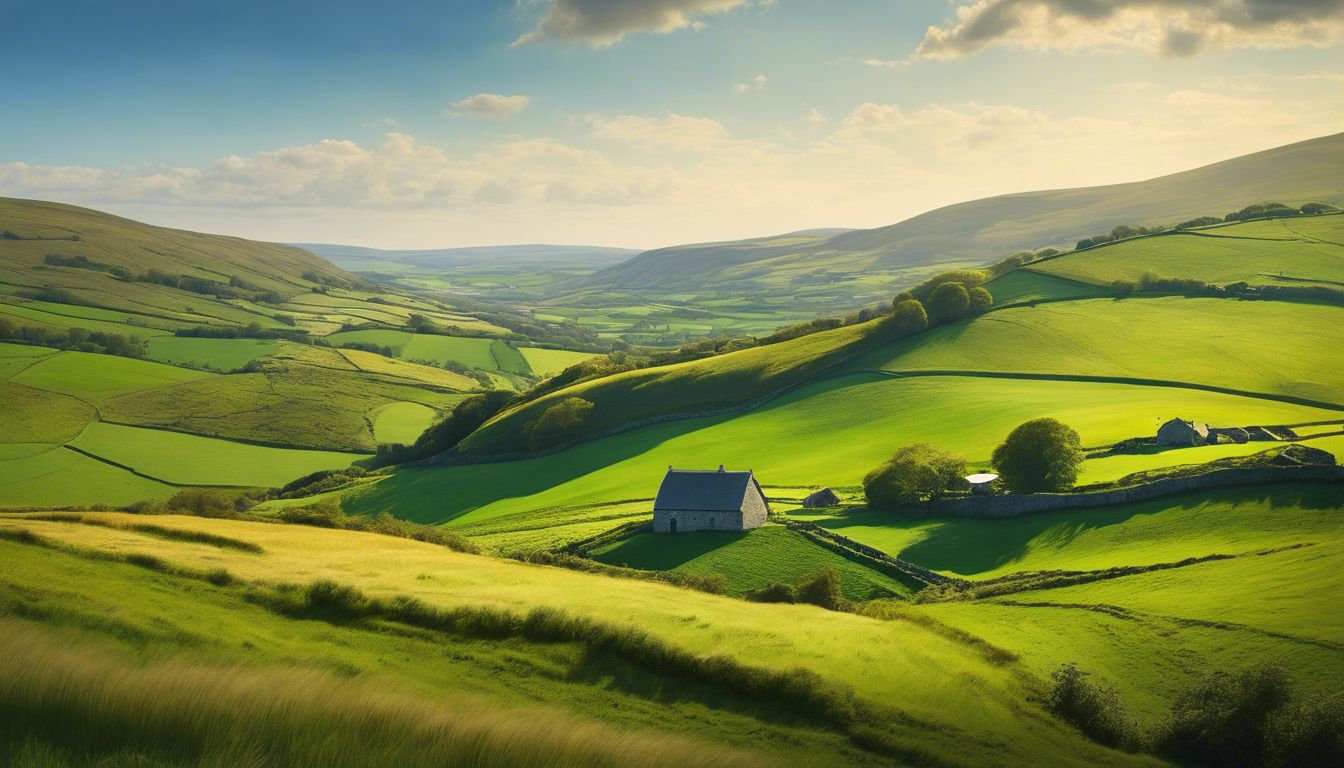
(1242, 290)
(249, 331)
(80, 339)
(1249, 213)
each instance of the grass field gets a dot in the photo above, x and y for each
(96, 378)
(547, 362)
(31, 415)
(60, 477)
(952, 700)
(401, 422)
(821, 434)
(184, 459)
(1024, 285)
(211, 354)
(749, 560)
(1257, 346)
(16, 357)
(1308, 250)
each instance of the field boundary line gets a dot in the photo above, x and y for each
(1097, 379)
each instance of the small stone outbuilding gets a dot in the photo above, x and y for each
(1182, 432)
(709, 500)
(823, 498)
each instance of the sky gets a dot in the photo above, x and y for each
(634, 123)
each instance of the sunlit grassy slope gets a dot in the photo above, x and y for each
(1257, 346)
(828, 433)
(947, 697)
(1293, 251)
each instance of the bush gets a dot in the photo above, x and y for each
(1039, 455)
(1225, 720)
(916, 473)
(908, 318)
(822, 589)
(1309, 733)
(968, 278)
(1202, 221)
(1313, 209)
(1093, 707)
(1261, 211)
(948, 302)
(558, 422)
(981, 300)
(774, 592)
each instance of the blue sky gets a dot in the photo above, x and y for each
(636, 123)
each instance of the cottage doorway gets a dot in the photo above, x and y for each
(672, 525)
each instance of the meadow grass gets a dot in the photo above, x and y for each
(32, 415)
(24, 315)
(183, 459)
(1257, 346)
(936, 680)
(213, 354)
(410, 373)
(1258, 252)
(61, 477)
(95, 378)
(302, 397)
(16, 357)
(473, 353)
(749, 560)
(1024, 285)
(547, 362)
(401, 422)
(828, 433)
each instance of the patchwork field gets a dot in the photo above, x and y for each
(211, 354)
(821, 434)
(96, 378)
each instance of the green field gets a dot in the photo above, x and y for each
(1023, 285)
(60, 477)
(1295, 251)
(96, 378)
(212, 354)
(546, 362)
(401, 422)
(16, 357)
(821, 434)
(183, 459)
(954, 703)
(749, 560)
(31, 415)
(1255, 346)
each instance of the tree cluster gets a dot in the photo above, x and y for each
(557, 423)
(915, 474)
(80, 339)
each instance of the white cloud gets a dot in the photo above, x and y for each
(886, 63)
(1173, 28)
(489, 105)
(672, 132)
(814, 117)
(757, 83)
(600, 23)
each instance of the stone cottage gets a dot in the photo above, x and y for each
(708, 500)
(1182, 432)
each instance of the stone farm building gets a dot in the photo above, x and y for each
(823, 498)
(1182, 432)
(708, 500)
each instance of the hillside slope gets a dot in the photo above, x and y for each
(980, 230)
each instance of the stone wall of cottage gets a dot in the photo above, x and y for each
(697, 521)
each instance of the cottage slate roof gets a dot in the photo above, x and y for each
(686, 490)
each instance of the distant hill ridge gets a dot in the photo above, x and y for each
(981, 230)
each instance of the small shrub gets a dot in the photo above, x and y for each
(558, 423)
(823, 589)
(334, 600)
(774, 592)
(948, 302)
(1094, 708)
(1224, 720)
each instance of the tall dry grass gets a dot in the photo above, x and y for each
(63, 705)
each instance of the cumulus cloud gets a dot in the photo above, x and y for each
(757, 83)
(600, 23)
(489, 105)
(680, 132)
(399, 173)
(1173, 28)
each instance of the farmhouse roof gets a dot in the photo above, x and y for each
(705, 490)
(1198, 427)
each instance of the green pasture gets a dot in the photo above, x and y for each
(1151, 634)
(23, 314)
(185, 459)
(1256, 346)
(473, 353)
(16, 357)
(212, 354)
(1307, 250)
(401, 422)
(1113, 467)
(828, 433)
(749, 560)
(61, 477)
(954, 703)
(1024, 285)
(96, 378)
(31, 415)
(546, 362)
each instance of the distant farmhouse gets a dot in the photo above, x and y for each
(708, 500)
(1182, 432)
